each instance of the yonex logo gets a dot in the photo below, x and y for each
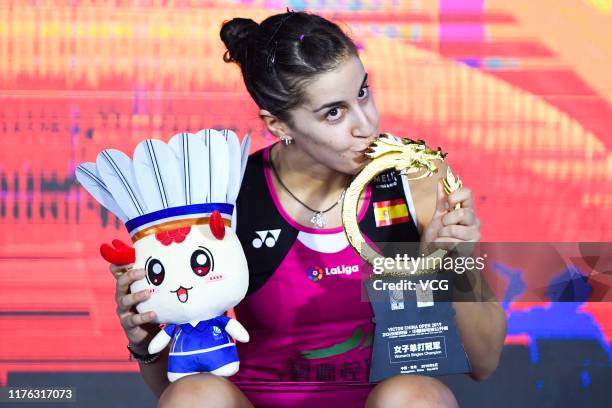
(267, 237)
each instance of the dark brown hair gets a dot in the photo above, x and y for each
(279, 56)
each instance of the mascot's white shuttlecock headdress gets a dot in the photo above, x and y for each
(188, 178)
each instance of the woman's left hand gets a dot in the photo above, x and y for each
(450, 228)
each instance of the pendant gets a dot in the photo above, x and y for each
(318, 220)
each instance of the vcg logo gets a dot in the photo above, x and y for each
(316, 273)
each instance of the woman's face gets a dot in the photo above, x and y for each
(338, 119)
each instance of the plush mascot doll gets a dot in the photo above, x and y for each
(177, 202)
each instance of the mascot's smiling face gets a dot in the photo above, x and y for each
(194, 273)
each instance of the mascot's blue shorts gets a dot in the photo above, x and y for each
(206, 361)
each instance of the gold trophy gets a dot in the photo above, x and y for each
(393, 354)
(408, 157)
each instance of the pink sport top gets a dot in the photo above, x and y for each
(307, 313)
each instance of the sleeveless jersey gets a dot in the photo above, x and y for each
(306, 310)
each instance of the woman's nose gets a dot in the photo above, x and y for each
(365, 125)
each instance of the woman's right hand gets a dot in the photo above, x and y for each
(138, 327)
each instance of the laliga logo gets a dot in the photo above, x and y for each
(316, 273)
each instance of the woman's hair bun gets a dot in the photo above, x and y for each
(234, 34)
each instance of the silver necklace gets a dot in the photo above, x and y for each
(318, 218)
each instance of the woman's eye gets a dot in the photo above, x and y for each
(201, 262)
(334, 114)
(155, 272)
(363, 93)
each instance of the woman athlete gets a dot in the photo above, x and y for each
(310, 329)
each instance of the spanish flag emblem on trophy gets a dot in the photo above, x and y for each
(391, 212)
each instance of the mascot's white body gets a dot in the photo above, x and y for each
(177, 202)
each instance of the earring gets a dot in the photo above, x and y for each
(286, 140)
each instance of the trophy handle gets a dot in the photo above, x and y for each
(351, 202)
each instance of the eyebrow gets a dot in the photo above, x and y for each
(330, 104)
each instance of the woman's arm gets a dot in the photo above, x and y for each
(138, 327)
(481, 323)
(155, 374)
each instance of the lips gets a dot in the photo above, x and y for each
(182, 294)
(362, 151)
(364, 148)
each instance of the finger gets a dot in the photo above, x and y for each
(126, 279)
(462, 196)
(133, 320)
(446, 243)
(460, 216)
(126, 302)
(459, 232)
(121, 268)
(118, 270)
(441, 199)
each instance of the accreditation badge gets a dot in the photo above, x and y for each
(415, 329)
